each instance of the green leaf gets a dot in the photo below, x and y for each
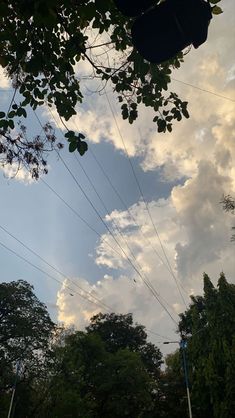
(161, 125)
(3, 61)
(2, 115)
(19, 112)
(3, 124)
(25, 102)
(70, 134)
(11, 114)
(11, 124)
(124, 111)
(216, 10)
(72, 146)
(22, 88)
(185, 113)
(82, 147)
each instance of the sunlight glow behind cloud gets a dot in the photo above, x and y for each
(193, 228)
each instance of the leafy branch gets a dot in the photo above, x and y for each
(42, 44)
(16, 150)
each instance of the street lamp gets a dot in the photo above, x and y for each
(183, 345)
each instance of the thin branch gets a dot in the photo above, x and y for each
(12, 100)
(97, 46)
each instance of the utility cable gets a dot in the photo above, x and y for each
(158, 335)
(110, 232)
(93, 206)
(47, 274)
(204, 90)
(72, 209)
(114, 190)
(79, 216)
(221, 96)
(153, 291)
(149, 243)
(145, 279)
(119, 231)
(52, 267)
(142, 195)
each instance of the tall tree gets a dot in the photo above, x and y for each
(119, 332)
(91, 382)
(25, 325)
(25, 336)
(42, 46)
(210, 325)
(108, 371)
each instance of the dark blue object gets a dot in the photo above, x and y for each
(132, 8)
(163, 31)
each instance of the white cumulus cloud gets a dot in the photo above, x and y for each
(194, 230)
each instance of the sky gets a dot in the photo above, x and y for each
(160, 246)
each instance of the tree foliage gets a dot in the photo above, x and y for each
(25, 325)
(17, 150)
(119, 332)
(42, 46)
(102, 372)
(93, 382)
(110, 369)
(174, 401)
(210, 325)
(228, 203)
(25, 333)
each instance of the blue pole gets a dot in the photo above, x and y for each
(183, 346)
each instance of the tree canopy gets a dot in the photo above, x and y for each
(25, 324)
(89, 381)
(119, 332)
(210, 325)
(110, 369)
(25, 333)
(42, 46)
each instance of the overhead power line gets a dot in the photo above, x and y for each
(122, 235)
(169, 268)
(221, 96)
(124, 254)
(52, 267)
(58, 271)
(75, 212)
(149, 243)
(144, 200)
(158, 335)
(214, 93)
(148, 284)
(48, 274)
(110, 232)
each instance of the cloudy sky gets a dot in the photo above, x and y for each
(160, 245)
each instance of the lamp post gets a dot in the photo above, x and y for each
(183, 345)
